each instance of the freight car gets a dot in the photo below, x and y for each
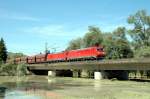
(20, 60)
(90, 53)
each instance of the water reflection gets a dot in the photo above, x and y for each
(15, 94)
(42, 87)
(97, 85)
(2, 92)
(28, 88)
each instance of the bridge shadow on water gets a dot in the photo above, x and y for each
(140, 80)
(59, 73)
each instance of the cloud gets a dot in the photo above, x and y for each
(55, 31)
(16, 16)
(24, 18)
(49, 30)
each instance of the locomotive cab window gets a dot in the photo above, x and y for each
(100, 49)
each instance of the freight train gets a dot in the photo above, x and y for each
(90, 53)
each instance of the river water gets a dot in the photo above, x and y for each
(42, 87)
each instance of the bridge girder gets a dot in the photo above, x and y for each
(127, 64)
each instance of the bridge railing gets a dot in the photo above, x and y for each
(131, 60)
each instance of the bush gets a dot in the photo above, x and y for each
(8, 69)
(13, 69)
(142, 52)
(21, 70)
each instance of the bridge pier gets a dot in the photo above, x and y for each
(51, 73)
(100, 75)
(75, 73)
(85, 73)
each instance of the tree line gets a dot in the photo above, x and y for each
(117, 43)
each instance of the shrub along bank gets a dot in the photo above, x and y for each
(13, 69)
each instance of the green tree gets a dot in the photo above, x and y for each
(142, 52)
(123, 46)
(3, 51)
(93, 37)
(116, 44)
(75, 44)
(21, 70)
(120, 34)
(141, 31)
(109, 46)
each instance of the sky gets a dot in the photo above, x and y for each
(26, 25)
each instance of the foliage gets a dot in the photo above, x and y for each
(21, 70)
(141, 31)
(13, 69)
(75, 44)
(110, 46)
(142, 52)
(93, 37)
(8, 69)
(3, 51)
(116, 44)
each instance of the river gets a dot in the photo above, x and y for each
(42, 87)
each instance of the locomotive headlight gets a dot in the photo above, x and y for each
(104, 53)
(99, 53)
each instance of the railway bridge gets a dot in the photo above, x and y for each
(100, 69)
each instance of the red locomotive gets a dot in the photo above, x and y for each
(90, 53)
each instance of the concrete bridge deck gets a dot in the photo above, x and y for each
(121, 64)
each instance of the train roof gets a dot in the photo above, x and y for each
(87, 48)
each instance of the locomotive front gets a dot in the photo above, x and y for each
(100, 52)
